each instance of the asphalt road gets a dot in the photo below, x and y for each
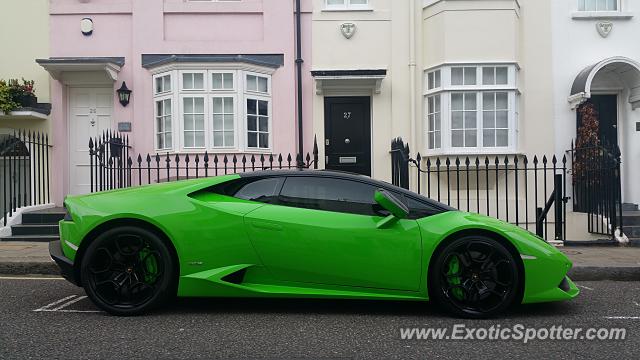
(69, 326)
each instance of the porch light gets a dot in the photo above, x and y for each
(124, 94)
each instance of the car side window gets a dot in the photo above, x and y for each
(263, 190)
(418, 209)
(329, 194)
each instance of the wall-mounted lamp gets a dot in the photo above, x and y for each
(124, 94)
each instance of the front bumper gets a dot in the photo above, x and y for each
(66, 266)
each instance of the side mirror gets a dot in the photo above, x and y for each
(390, 203)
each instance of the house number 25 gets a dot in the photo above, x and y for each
(347, 115)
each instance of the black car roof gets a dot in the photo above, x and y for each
(342, 175)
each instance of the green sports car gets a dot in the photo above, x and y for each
(305, 234)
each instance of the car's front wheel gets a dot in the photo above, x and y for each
(474, 277)
(128, 270)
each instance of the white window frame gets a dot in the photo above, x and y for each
(182, 89)
(171, 84)
(347, 5)
(238, 93)
(258, 75)
(235, 121)
(156, 131)
(181, 113)
(252, 96)
(446, 89)
(437, 133)
(597, 10)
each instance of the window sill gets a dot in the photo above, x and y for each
(471, 153)
(348, 10)
(601, 15)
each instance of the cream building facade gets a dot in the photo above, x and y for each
(476, 79)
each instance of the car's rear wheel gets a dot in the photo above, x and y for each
(474, 277)
(128, 271)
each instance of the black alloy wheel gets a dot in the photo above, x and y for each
(128, 271)
(474, 277)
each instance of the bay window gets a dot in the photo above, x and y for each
(347, 4)
(217, 110)
(471, 109)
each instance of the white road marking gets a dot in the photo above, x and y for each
(74, 311)
(623, 317)
(69, 303)
(584, 287)
(29, 278)
(55, 303)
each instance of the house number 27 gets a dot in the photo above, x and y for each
(347, 115)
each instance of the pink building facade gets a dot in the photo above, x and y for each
(215, 76)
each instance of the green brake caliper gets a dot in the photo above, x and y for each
(453, 277)
(150, 265)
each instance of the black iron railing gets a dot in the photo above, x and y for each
(112, 165)
(25, 178)
(597, 189)
(511, 188)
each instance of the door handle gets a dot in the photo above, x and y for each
(266, 226)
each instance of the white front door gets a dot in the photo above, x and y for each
(90, 111)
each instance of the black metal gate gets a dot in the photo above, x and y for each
(597, 187)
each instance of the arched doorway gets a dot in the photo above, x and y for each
(612, 88)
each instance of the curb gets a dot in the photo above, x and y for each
(578, 273)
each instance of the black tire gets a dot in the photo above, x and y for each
(474, 277)
(128, 270)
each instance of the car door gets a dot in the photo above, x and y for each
(323, 230)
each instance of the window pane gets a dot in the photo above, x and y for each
(218, 139)
(188, 122)
(158, 85)
(199, 105)
(252, 123)
(188, 139)
(359, 2)
(263, 108)
(456, 120)
(263, 84)
(264, 140)
(502, 101)
(199, 141)
(168, 141)
(228, 122)
(470, 120)
(502, 119)
(432, 140)
(217, 81)
(470, 101)
(470, 139)
(488, 76)
(613, 5)
(581, 5)
(228, 105)
(167, 106)
(457, 139)
(590, 5)
(167, 123)
(217, 105)
(252, 106)
(437, 108)
(469, 76)
(456, 101)
(488, 119)
(252, 83)
(188, 105)
(166, 83)
(335, 2)
(437, 121)
(502, 76)
(456, 76)
(198, 81)
(263, 124)
(438, 140)
(187, 81)
(252, 140)
(488, 138)
(502, 138)
(488, 101)
(228, 81)
(437, 79)
(430, 81)
(602, 5)
(217, 122)
(228, 138)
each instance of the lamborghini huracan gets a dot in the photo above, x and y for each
(303, 234)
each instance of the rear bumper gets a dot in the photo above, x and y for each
(66, 266)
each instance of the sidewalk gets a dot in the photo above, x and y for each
(589, 262)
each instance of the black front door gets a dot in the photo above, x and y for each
(347, 128)
(607, 107)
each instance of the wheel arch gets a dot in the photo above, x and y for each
(119, 222)
(489, 234)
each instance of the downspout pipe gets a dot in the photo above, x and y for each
(299, 62)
